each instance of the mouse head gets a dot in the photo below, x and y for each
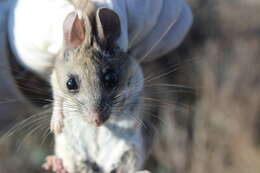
(94, 77)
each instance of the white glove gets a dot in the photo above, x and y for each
(150, 28)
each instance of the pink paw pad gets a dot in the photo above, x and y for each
(55, 164)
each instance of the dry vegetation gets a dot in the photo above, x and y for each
(219, 132)
(216, 127)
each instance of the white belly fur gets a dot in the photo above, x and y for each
(81, 141)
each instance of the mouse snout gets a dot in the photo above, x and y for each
(97, 119)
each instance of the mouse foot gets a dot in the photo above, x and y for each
(55, 164)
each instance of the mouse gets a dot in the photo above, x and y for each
(97, 91)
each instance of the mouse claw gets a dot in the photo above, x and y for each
(56, 125)
(55, 164)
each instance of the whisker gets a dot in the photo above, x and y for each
(170, 85)
(29, 135)
(146, 112)
(138, 120)
(23, 124)
(176, 104)
(67, 97)
(45, 135)
(170, 70)
(159, 40)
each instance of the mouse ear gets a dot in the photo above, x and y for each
(108, 26)
(73, 30)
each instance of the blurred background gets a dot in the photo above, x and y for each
(214, 125)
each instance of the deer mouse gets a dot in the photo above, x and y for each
(97, 90)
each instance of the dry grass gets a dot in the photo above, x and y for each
(219, 132)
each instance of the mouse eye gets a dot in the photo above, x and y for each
(72, 84)
(110, 79)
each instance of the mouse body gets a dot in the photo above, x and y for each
(97, 91)
(114, 146)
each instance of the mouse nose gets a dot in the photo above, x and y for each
(97, 119)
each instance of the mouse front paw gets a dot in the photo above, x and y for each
(56, 125)
(55, 164)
